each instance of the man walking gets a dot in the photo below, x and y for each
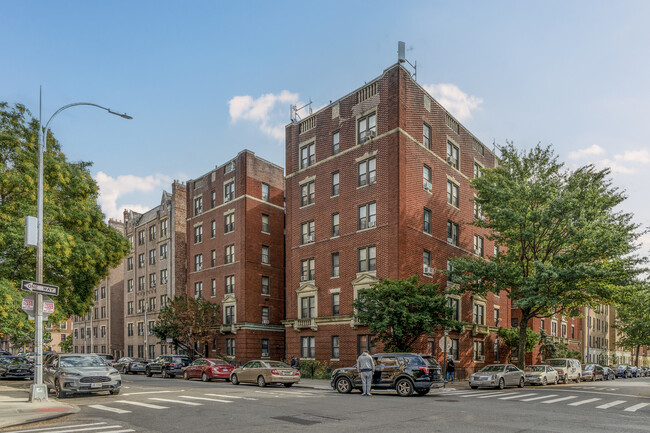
(451, 370)
(365, 367)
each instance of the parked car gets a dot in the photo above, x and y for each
(5, 353)
(497, 376)
(406, 373)
(567, 369)
(608, 373)
(108, 358)
(16, 367)
(645, 372)
(264, 372)
(130, 365)
(541, 375)
(167, 365)
(624, 371)
(593, 372)
(208, 369)
(80, 373)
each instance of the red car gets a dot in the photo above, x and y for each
(208, 369)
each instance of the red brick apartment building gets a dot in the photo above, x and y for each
(563, 330)
(377, 186)
(235, 254)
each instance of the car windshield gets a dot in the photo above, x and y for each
(492, 368)
(541, 368)
(557, 362)
(589, 367)
(81, 361)
(179, 360)
(219, 362)
(415, 361)
(108, 357)
(15, 360)
(276, 364)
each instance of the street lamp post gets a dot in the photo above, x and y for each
(38, 391)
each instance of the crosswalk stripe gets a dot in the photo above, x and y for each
(480, 394)
(64, 429)
(206, 399)
(578, 403)
(120, 431)
(517, 395)
(109, 409)
(138, 403)
(636, 407)
(168, 400)
(555, 400)
(540, 398)
(57, 428)
(458, 393)
(491, 394)
(150, 392)
(611, 404)
(230, 396)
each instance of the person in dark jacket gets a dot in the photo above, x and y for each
(295, 363)
(451, 370)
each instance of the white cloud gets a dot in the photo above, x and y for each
(112, 188)
(615, 166)
(642, 156)
(594, 149)
(459, 103)
(260, 110)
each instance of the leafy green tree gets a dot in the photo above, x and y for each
(399, 312)
(564, 241)
(510, 338)
(66, 345)
(188, 322)
(550, 349)
(633, 318)
(78, 246)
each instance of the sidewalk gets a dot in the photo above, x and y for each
(15, 408)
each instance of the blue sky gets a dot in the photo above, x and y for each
(204, 80)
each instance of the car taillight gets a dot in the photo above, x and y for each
(296, 373)
(275, 372)
(172, 364)
(425, 370)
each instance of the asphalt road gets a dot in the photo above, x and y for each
(174, 405)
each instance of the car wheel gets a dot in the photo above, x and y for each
(261, 382)
(474, 387)
(404, 388)
(114, 391)
(343, 385)
(171, 375)
(186, 376)
(204, 378)
(59, 390)
(148, 372)
(555, 381)
(164, 373)
(422, 391)
(544, 381)
(234, 379)
(521, 382)
(502, 383)
(578, 379)
(288, 385)
(593, 378)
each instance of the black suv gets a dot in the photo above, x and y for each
(167, 365)
(406, 373)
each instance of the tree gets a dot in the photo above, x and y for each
(510, 338)
(399, 312)
(550, 349)
(78, 246)
(66, 345)
(564, 243)
(188, 322)
(633, 318)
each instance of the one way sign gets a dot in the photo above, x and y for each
(31, 286)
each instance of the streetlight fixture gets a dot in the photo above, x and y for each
(38, 391)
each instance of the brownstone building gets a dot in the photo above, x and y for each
(377, 186)
(235, 255)
(155, 270)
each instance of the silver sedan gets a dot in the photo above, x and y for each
(497, 376)
(80, 373)
(541, 375)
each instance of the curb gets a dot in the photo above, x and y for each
(72, 409)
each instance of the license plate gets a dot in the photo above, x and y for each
(96, 385)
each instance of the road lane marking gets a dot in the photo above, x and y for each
(57, 428)
(168, 400)
(517, 395)
(493, 394)
(481, 394)
(206, 399)
(540, 398)
(109, 409)
(636, 407)
(137, 403)
(612, 404)
(64, 429)
(578, 403)
(120, 431)
(150, 392)
(555, 400)
(457, 393)
(230, 396)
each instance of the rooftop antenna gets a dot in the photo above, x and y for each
(401, 58)
(294, 109)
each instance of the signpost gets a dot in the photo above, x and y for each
(28, 306)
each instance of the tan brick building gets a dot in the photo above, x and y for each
(377, 186)
(235, 253)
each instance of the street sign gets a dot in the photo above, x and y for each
(46, 289)
(28, 306)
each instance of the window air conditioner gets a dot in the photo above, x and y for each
(428, 270)
(265, 321)
(372, 223)
(310, 238)
(427, 185)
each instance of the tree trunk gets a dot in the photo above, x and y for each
(523, 327)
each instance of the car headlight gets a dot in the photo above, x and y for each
(493, 377)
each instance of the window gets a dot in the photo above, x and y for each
(163, 301)
(307, 230)
(307, 193)
(129, 264)
(163, 251)
(198, 234)
(266, 192)
(129, 285)
(152, 305)
(426, 178)
(266, 255)
(141, 260)
(213, 258)
(564, 330)
(307, 270)
(129, 307)
(478, 245)
(140, 328)
(542, 323)
(266, 285)
(152, 280)
(336, 139)
(367, 216)
(198, 205)
(367, 172)
(335, 347)
(141, 283)
(129, 330)
(213, 199)
(230, 346)
(229, 316)
(307, 307)
(496, 250)
(426, 262)
(554, 328)
(131, 241)
(265, 315)
(497, 319)
(479, 351)
(152, 233)
(452, 193)
(213, 287)
(198, 262)
(229, 254)
(308, 345)
(452, 155)
(265, 347)
(95, 292)
(452, 233)
(367, 127)
(230, 284)
(335, 304)
(335, 225)
(335, 183)
(265, 223)
(478, 170)
(140, 305)
(103, 312)
(152, 257)
(307, 155)
(103, 293)
(163, 276)
(76, 333)
(213, 228)
(198, 289)
(335, 265)
(129, 351)
(426, 221)
(452, 349)
(454, 304)
(479, 314)
(229, 191)
(426, 136)
(83, 333)
(141, 237)
(478, 210)
(363, 344)
(367, 260)
(163, 228)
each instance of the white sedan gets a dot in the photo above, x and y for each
(541, 375)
